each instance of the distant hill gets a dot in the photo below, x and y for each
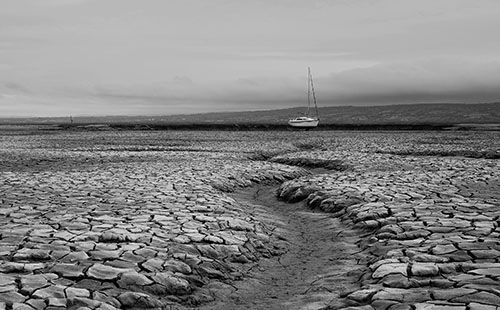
(389, 114)
(483, 113)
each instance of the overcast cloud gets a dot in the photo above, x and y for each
(97, 57)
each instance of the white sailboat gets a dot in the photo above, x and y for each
(307, 121)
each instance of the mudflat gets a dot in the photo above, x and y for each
(249, 220)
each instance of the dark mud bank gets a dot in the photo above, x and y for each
(444, 153)
(334, 165)
(247, 126)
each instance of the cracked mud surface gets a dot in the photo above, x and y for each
(140, 219)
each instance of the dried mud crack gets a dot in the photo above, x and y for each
(145, 220)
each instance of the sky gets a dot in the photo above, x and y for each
(159, 57)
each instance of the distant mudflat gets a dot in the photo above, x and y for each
(403, 116)
(243, 127)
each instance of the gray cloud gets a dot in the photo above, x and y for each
(436, 80)
(429, 80)
(162, 57)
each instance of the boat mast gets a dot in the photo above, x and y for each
(314, 95)
(308, 90)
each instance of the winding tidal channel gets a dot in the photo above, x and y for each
(316, 257)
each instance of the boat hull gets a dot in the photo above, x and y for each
(304, 123)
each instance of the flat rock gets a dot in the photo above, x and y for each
(138, 300)
(362, 295)
(443, 249)
(478, 306)
(11, 297)
(103, 272)
(494, 272)
(479, 297)
(448, 294)
(173, 284)
(429, 306)
(52, 291)
(424, 269)
(68, 270)
(386, 269)
(132, 278)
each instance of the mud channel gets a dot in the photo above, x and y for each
(317, 260)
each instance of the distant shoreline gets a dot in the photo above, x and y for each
(245, 127)
(390, 117)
